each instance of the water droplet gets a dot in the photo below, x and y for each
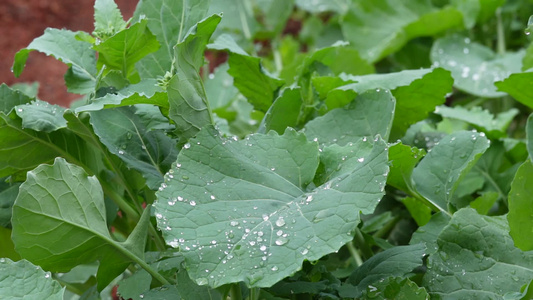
(362, 159)
(47, 275)
(263, 248)
(309, 198)
(128, 135)
(234, 223)
(141, 296)
(185, 177)
(159, 216)
(274, 268)
(273, 169)
(280, 222)
(120, 152)
(281, 241)
(192, 203)
(305, 251)
(201, 281)
(187, 146)
(212, 197)
(19, 109)
(265, 217)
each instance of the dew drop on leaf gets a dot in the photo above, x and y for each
(280, 222)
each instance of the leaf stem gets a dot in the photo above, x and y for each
(235, 291)
(387, 228)
(355, 254)
(500, 32)
(359, 240)
(254, 294)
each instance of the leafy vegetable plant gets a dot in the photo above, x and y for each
(275, 149)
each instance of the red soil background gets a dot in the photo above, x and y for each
(23, 20)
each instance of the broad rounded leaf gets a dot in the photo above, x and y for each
(41, 116)
(475, 68)
(59, 222)
(520, 215)
(248, 210)
(22, 280)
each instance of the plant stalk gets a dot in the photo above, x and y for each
(500, 33)
(235, 291)
(355, 254)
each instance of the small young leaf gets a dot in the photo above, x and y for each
(128, 136)
(520, 216)
(169, 21)
(370, 114)
(22, 280)
(10, 98)
(41, 116)
(253, 199)
(122, 50)
(252, 80)
(381, 27)
(188, 105)
(517, 85)
(403, 160)
(475, 68)
(108, 19)
(476, 256)
(484, 203)
(438, 174)
(284, 112)
(63, 45)
(395, 288)
(397, 261)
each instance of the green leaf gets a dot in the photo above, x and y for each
(238, 17)
(485, 202)
(169, 21)
(476, 257)
(144, 92)
(475, 68)
(241, 215)
(219, 88)
(370, 114)
(520, 216)
(8, 249)
(529, 134)
(417, 93)
(339, 7)
(395, 288)
(428, 233)
(127, 135)
(59, 222)
(403, 160)
(134, 286)
(439, 173)
(482, 119)
(22, 280)
(473, 10)
(188, 289)
(284, 112)
(518, 86)
(41, 116)
(252, 80)
(122, 50)
(379, 28)
(63, 45)
(397, 261)
(10, 98)
(188, 104)
(8, 194)
(108, 19)
(420, 212)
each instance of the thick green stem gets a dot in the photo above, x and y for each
(235, 292)
(361, 244)
(355, 254)
(500, 32)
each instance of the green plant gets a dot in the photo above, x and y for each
(383, 150)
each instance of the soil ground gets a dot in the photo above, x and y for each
(22, 21)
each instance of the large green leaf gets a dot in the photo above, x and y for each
(63, 45)
(10, 98)
(252, 80)
(370, 114)
(403, 160)
(518, 86)
(475, 68)
(129, 136)
(397, 261)
(483, 120)
(439, 173)
(122, 50)
(417, 93)
(529, 134)
(381, 27)
(59, 222)
(476, 10)
(22, 280)
(476, 259)
(8, 194)
(188, 104)
(41, 116)
(520, 216)
(169, 21)
(219, 88)
(238, 210)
